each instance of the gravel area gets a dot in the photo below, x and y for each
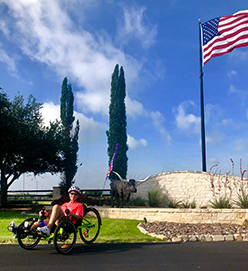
(171, 229)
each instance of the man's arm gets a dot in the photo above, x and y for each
(76, 216)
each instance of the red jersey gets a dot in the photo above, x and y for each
(75, 207)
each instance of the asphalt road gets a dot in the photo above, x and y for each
(127, 256)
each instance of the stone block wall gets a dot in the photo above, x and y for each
(189, 186)
(228, 216)
(56, 192)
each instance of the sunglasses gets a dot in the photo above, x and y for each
(75, 194)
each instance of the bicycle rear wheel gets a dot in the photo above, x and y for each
(26, 238)
(65, 236)
(91, 224)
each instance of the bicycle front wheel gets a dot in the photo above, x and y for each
(91, 224)
(65, 236)
(26, 238)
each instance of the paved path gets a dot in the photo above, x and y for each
(138, 256)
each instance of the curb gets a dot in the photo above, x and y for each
(196, 238)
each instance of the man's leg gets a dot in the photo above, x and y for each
(56, 217)
(37, 224)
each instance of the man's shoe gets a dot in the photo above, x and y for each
(44, 230)
(13, 228)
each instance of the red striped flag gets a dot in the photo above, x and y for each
(112, 161)
(222, 35)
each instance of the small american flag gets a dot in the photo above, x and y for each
(222, 35)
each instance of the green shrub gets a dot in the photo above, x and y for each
(221, 203)
(245, 223)
(157, 199)
(137, 201)
(189, 205)
(154, 198)
(242, 201)
(174, 203)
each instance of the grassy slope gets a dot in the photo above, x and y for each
(112, 230)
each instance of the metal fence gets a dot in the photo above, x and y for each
(27, 197)
(30, 195)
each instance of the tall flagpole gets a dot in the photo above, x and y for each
(202, 103)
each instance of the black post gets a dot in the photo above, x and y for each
(202, 104)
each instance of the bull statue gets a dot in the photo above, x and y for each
(122, 189)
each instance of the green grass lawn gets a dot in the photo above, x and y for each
(112, 230)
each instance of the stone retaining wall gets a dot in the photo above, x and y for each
(189, 186)
(230, 216)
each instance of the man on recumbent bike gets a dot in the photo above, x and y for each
(76, 211)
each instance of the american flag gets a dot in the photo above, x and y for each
(222, 35)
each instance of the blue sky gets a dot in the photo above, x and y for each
(157, 43)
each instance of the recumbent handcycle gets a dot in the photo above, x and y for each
(64, 235)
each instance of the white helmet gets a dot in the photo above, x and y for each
(74, 188)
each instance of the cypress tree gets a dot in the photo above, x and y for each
(66, 106)
(71, 137)
(117, 123)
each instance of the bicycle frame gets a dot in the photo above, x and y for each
(63, 234)
(50, 238)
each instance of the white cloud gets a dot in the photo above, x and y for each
(10, 61)
(46, 33)
(134, 108)
(232, 73)
(187, 122)
(134, 144)
(158, 120)
(238, 55)
(241, 94)
(227, 122)
(239, 145)
(214, 137)
(214, 160)
(50, 112)
(143, 142)
(90, 130)
(136, 26)
(232, 89)
(4, 28)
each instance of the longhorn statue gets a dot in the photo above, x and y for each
(122, 189)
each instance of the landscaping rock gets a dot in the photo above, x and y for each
(238, 237)
(176, 239)
(218, 238)
(228, 237)
(183, 232)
